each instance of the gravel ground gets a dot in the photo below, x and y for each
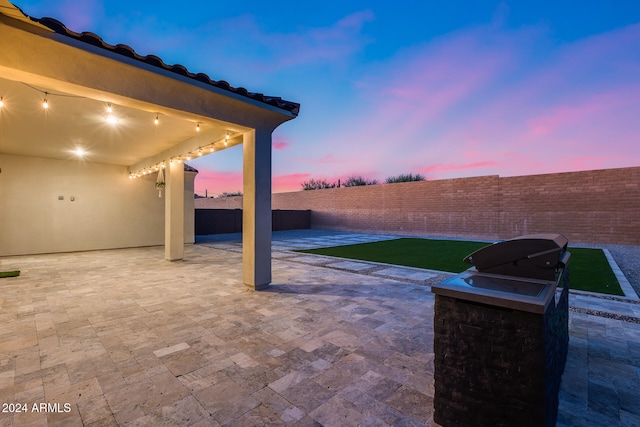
(628, 259)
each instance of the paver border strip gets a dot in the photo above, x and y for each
(627, 289)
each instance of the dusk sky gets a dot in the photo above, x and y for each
(441, 88)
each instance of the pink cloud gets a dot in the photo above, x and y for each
(448, 167)
(280, 143)
(289, 182)
(582, 112)
(214, 182)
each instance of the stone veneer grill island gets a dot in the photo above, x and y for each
(501, 335)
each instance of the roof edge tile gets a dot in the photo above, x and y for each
(153, 60)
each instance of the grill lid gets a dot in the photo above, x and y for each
(535, 256)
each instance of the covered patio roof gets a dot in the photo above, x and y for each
(79, 91)
(110, 105)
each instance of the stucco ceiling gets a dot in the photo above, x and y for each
(74, 122)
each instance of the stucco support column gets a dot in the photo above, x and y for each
(174, 211)
(256, 209)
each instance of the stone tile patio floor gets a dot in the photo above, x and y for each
(126, 338)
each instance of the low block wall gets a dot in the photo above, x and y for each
(220, 221)
(599, 206)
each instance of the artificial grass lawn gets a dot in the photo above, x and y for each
(4, 274)
(589, 268)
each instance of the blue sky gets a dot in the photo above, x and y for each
(445, 89)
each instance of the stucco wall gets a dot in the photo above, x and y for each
(109, 211)
(598, 206)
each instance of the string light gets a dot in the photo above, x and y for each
(186, 157)
(156, 121)
(111, 119)
(45, 103)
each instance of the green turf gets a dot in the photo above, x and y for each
(442, 255)
(4, 274)
(590, 270)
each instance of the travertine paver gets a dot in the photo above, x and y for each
(408, 273)
(126, 338)
(352, 265)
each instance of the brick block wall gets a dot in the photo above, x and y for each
(599, 206)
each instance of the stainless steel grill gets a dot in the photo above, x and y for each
(534, 256)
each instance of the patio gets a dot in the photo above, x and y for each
(126, 338)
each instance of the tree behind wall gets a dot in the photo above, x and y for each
(358, 180)
(317, 184)
(405, 178)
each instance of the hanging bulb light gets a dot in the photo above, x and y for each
(226, 139)
(156, 121)
(199, 152)
(45, 103)
(188, 156)
(198, 127)
(111, 119)
(212, 148)
(1, 102)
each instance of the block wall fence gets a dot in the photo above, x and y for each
(599, 206)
